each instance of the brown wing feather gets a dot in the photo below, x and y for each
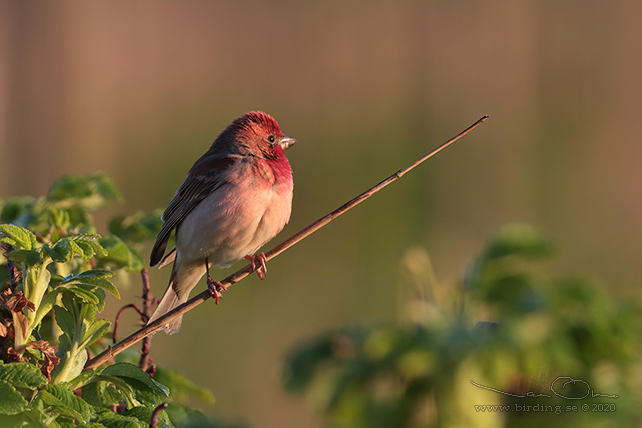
(207, 174)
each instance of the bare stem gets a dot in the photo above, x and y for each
(245, 271)
(145, 359)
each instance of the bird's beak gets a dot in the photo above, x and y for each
(286, 142)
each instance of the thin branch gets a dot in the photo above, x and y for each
(119, 313)
(245, 271)
(14, 275)
(153, 423)
(145, 359)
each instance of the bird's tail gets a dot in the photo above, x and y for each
(180, 284)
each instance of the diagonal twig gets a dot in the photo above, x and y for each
(245, 271)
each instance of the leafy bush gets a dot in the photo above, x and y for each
(53, 284)
(511, 346)
(556, 351)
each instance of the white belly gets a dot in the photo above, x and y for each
(229, 225)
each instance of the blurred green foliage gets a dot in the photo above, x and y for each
(543, 350)
(54, 277)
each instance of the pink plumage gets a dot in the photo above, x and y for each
(235, 198)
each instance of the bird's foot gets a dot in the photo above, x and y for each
(258, 264)
(214, 287)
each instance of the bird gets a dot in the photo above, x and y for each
(235, 199)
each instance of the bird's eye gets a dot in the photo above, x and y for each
(271, 138)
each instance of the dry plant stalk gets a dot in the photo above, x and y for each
(245, 271)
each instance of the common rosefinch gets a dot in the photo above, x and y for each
(235, 198)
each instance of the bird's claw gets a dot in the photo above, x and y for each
(214, 287)
(258, 264)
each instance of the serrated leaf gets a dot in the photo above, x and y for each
(56, 279)
(94, 277)
(84, 237)
(66, 248)
(61, 252)
(91, 273)
(144, 414)
(135, 377)
(81, 379)
(97, 330)
(45, 306)
(22, 375)
(73, 364)
(62, 398)
(100, 293)
(100, 390)
(86, 250)
(11, 401)
(80, 292)
(65, 320)
(18, 237)
(115, 420)
(29, 257)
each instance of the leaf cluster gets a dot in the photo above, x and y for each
(511, 327)
(55, 277)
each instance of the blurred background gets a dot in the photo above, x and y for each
(139, 90)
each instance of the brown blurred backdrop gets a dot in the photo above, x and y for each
(140, 89)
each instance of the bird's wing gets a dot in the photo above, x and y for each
(207, 175)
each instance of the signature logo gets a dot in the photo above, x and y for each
(559, 388)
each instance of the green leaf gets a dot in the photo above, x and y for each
(63, 399)
(517, 239)
(45, 306)
(120, 255)
(83, 245)
(91, 191)
(135, 377)
(181, 386)
(97, 330)
(183, 416)
(58, 218)
(104, 390)
(100, 293)
(17, 421)
(22, 375)
(136, 228)
(29, 257)
(85, 295)
(18, 237)
(94, 277)
(144, 414)
(65, 320)
(18, 210)
(89, 274)
(11, 401)
(73, 364)
(304, 362)
(61, 252)
(114, 420)
(81, 379)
